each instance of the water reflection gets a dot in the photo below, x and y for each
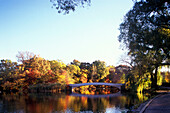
(96, 90)
(62, 103)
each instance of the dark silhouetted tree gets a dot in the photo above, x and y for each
(145, 31)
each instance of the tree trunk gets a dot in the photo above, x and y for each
(155, 78)
(152, 79)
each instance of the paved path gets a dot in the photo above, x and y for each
(160, 104)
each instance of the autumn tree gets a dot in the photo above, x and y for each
(10, 78)
(101, 70)
(37, 70)
(74, 72)
(64, 78)
(84, 75)
(118, 74)
(74, 69)
(86, 68)
(56, 66)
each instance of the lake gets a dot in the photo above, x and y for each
(64, 103)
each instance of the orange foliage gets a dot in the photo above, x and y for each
(83, 79)
(65, 78)
(33, 73)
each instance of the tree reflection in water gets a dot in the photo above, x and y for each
(95, 89)
(62, 103)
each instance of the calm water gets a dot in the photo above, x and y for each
(62, 103)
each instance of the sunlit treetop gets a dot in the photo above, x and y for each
(65, 6)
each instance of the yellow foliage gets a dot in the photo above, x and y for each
(140, 88)
(85, 75)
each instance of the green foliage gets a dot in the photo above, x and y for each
(138, 83)
(7, 68)
(145, 32)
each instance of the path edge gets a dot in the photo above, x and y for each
(144, 108)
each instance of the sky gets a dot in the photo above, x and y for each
(87, 34)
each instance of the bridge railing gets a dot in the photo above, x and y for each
(96, 83)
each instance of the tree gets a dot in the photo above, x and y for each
(57, 65)
(83, 77)
(100, 69)
(24, 56)
(37, 70)
(74, 72)
(85, 65)
(10, 78)
(64, 78)
(141, 30)
(167, 77)
(146, 33)
(76, 62)
(68, 5)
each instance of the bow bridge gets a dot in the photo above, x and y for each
(71, 86)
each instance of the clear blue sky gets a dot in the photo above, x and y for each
(88, 34)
